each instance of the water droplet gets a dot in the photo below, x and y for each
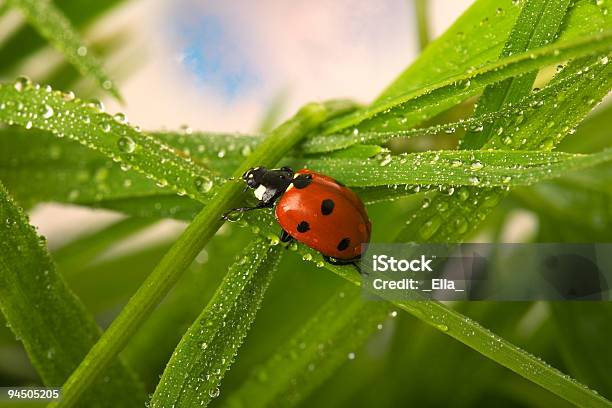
(82, 51)
(120, 117)
(442, 206)
(21, 83)
(307, 257)
(126, 144)
(474, 181)
(429, 228)
(476, 165)
(246, 150)
(499, 11)
(442, 327)
(386, 160)
(500, 130)
(547, 144)
(48, 112)
(204, 345)
(234, 216)
(203, 185)
(28, 124)
(461, 225)
(351, 356)
(96, 104)
(214, 393)
(69, 96)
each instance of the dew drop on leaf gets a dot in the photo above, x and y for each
(126, 144)
(48, 112)
(476, 165)
(22, 83)
(203, 185)
(120, 117)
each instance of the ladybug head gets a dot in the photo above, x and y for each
(276, 180)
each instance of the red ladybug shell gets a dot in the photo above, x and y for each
(326, 216)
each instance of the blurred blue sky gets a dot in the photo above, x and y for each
(213, 53)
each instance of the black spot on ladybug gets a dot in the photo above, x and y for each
(302, 181)
(342, 245)
(327, 206)
(303, 226)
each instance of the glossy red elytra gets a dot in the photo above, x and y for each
(313, 209)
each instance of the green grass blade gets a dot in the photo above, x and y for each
(458, 168)
(322, 344)
(151, 347)
(426, 102)
(206, 351)
(461, 47)
(527, 35)
(422, 23)
(64, 116)
(187, 247)
(57, 29)
(26, 41)
(47, 317)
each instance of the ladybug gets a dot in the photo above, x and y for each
(313, 209)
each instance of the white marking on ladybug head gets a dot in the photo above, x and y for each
(259, 192)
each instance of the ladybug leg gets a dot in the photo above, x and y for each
(285, 237)
(260, 205)
(342, 262)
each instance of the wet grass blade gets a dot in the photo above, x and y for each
(527, 35)
(426, 102)
(458, 168)
(206, 351)
(63, 115)
(51, 23)
(47, 317)
(326, 341)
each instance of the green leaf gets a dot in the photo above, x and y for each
(414, 107)
(57, 29)
(326, 341)
(207, 350)
(64, 116)
(527, 35)
(36, 302)
(458, 168)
